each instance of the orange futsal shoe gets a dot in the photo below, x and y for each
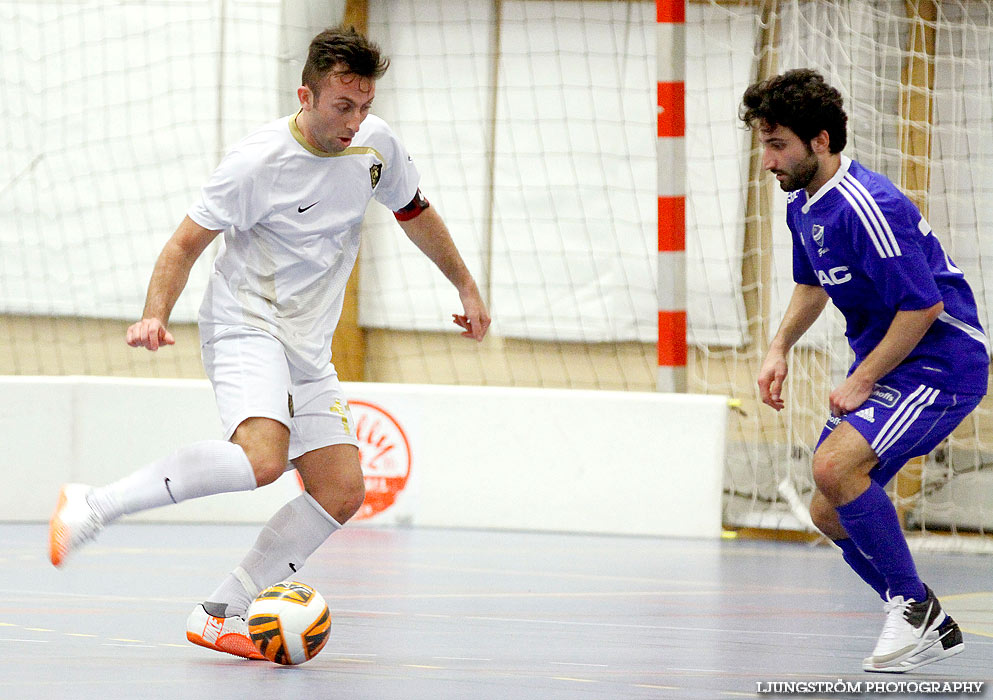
(227, 634)
(72, 524)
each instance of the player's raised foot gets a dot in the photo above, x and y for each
(915, 633)
(73, 524)
(227, 634)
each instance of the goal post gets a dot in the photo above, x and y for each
(670, 47)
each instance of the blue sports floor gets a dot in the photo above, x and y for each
(433, 614)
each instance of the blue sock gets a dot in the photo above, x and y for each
(862, 566)
(872, 523)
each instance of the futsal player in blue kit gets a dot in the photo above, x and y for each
(921, 356)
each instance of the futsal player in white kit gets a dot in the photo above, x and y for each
(289, 199)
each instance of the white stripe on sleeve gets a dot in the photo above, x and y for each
(865, 222)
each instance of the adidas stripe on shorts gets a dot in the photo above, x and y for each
(903, 419)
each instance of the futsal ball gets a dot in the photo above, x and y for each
(289, 622)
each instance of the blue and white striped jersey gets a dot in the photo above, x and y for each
(868, 246)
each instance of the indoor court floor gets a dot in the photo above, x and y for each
(465, 614)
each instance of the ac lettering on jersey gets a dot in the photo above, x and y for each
(836, 275)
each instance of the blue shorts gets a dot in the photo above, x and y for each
(903, 419)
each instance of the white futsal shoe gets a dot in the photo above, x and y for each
(227, 634)
(915, 634)
(73, 524)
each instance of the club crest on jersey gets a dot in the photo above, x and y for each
(375, 170)
(817, 233)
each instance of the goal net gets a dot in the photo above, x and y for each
(916, 78)
(533, 126)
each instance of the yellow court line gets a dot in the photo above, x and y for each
(436, 668)
(963, 596)
(576, 594)
(509, 594)
(553, 574)
(573, 680)
(972, 631)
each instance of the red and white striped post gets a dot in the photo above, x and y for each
(671, 163)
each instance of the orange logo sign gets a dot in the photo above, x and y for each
(385, 454)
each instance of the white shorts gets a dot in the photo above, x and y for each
(252, 378)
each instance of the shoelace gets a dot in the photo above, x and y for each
(896, 611)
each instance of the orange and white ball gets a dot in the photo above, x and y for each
(289, 622)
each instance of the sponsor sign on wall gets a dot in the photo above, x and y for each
(384, 451)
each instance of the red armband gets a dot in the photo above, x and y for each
(414, 209)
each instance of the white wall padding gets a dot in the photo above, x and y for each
(505, 458)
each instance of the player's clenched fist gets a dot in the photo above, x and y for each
(149, 333)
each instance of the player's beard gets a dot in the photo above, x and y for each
(801, 175)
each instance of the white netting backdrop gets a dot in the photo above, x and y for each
(112, 114)
(533, 125)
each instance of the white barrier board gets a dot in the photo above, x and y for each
(439, 456)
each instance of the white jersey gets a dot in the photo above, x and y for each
(291, 216)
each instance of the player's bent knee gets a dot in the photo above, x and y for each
(351, 498)
(352, 502)
(828, 475)
(267, 469)
(265, 442)
(342, 499)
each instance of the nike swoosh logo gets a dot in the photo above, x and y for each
(170, 490)
(303, 209)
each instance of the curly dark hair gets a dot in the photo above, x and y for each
(799, 100)
(343, 51)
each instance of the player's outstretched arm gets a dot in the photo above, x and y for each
(805, 306)
(903, 335)
(428, 232)
(172, 270)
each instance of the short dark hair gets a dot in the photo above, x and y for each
(342, 51)
(801, 101)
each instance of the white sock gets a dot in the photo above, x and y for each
(290, 536)
(201, 469)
